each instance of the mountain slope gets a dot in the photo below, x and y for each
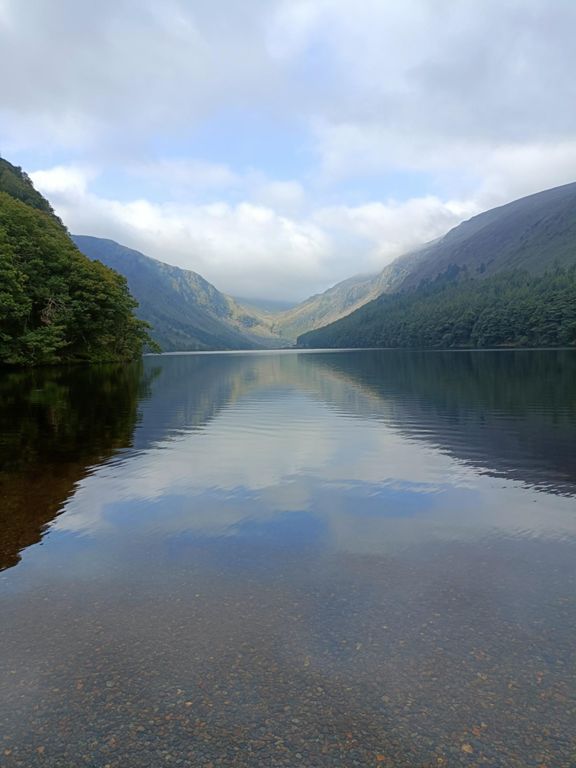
(185, 311)
(338, 301)
(532, 233)
(55, 304)
(326, 307)
(442, 284)
(529, 234)
(509, 309)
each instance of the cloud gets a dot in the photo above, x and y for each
(123, 69)
(440, 69)
(512, 171)
(427, 68)
(379, 232)
(461, 91)
(483, 173)
(64, 182)
(285, 196)
(278, 146)
(179, 178)
(249, 249)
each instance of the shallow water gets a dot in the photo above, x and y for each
(313, 559)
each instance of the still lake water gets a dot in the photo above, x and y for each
(315, 559)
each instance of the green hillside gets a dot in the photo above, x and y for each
(55, 304)
(184, 310)
(511, 309)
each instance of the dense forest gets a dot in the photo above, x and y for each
(509, 309)
(55, 304)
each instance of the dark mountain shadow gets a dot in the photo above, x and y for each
(509, 414)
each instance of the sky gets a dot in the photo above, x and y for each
(279, 146)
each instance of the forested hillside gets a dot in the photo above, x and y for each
(55, 304)
(512, 309)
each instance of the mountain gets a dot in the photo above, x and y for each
(343, 298)
(487, 282)
(185, 311)
(509, 309)
(56, 305)
(533, 234)
(326, 307)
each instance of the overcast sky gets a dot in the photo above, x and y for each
(279, 146)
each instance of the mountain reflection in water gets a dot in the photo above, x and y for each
(344, 558)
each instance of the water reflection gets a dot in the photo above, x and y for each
(510, 415)
(329, 559)
(55, 425)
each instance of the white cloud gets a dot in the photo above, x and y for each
(444, 108)
(421, 68)
(379, 232)
(66, 181)
(123, 70)
(250, 249)
(438, 68)
(5, 14)
(481, 174)
(513, 171)
(246, 249)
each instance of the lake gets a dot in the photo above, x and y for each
(343, 559)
